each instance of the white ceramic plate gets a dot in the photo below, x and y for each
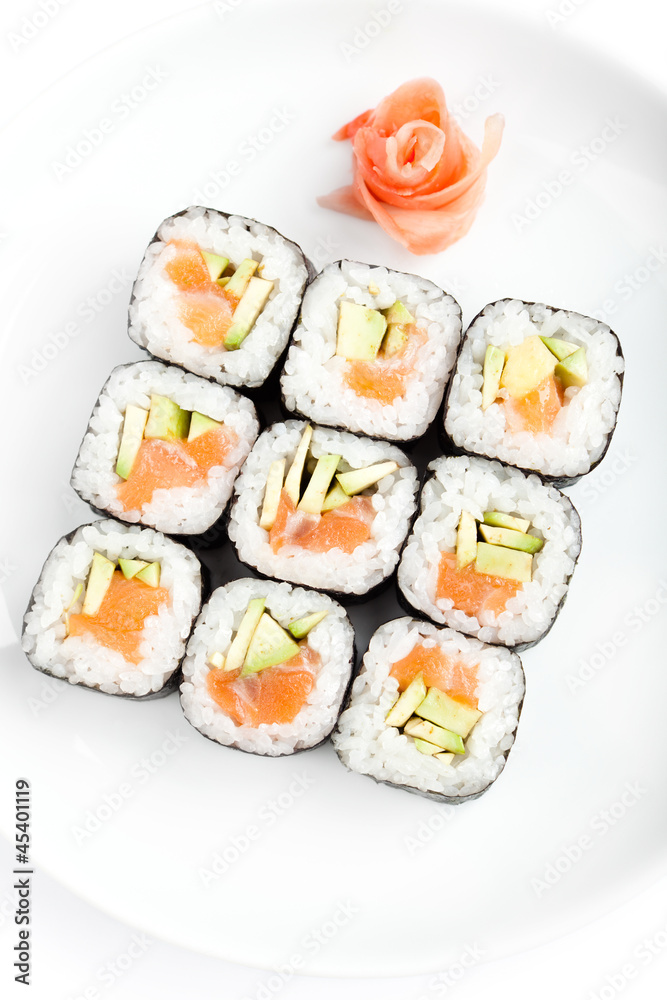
(326, 870)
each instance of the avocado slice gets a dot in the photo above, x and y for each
(427, 748)
(510, 539)
(360, 479)
(438, 707)
(78, 591)
(406, 702)
(398, 313)
(215, 264)
(99, 579)
(495, 560)
(559, 348)
(316, 490)
(443, 738)
(130, 567)
(217, 660)
(166, 420)
(269, 646)
(293, 481)
(302, 626)
(336, 497)
(240, 279)
(446, 758)
(527, 365)
(399, 320)
(150, 575)
(466, 540)
(274, 486)
(573, 370)
(201, 424)
(132, 436)
(250, 306)
(494, 362)
(360, 332)
(500, 520)
(237, 651)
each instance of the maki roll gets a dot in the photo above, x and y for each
(163, 448)
(218, 294)
(322, 508)
(113, 608)
(431, 711)
(372, 351)
(492, 551)
(536, 387)
(267, 667)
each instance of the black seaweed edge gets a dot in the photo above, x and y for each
(559, 482)
(453, 800)
(310, 274)
(300, 415)
(172, 682)
(518, 647)
(352, 672)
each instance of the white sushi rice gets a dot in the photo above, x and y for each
(477, 485)
(154, 321)
(80, 659)
(184, 509)
(365, 743)
(332, 639)
(583, 426)
(313, 382)
(394, 502)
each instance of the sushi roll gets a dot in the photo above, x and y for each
(322, 508)
(163, 448)
(372, 351)
(112, 609)
(536, 387)
(492, 551)
(218, 294)
(267, 667)
(431, 711)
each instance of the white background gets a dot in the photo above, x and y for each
(73, 941)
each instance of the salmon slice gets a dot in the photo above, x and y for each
(159, 465)
(344, 528)
(385, 379)
(120, 620)
(211, 448)
(456, 678)
(537, 411)
(471, 591)
(205, 308)
(186, 267)
(274, 695)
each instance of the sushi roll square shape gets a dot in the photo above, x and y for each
(209, 279)
(100, 646)
(389, 384)
(536, 387)
(481, 686)
(192, 440)
(486, 597)
(281, 709)
(348, 550)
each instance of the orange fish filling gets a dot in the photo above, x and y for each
(274, 695)
(473, 592)
(344, 528)
(538, 409)
(165, 465)
(206, 308)
(458, 679)
(385, 379)
(120, 620)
